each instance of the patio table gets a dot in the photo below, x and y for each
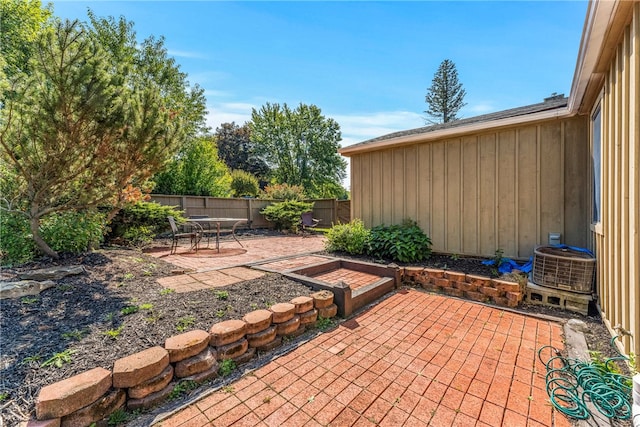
(217, 221)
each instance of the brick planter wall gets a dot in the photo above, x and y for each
(146, 378)
(476, 288)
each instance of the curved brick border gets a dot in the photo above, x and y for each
(148, 377)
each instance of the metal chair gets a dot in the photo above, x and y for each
(194, 236)
(307, 221)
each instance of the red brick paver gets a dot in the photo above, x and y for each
(354, 279)
(415, 359)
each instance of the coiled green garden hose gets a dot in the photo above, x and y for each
(571, 383)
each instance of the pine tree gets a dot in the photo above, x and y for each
(446, 95)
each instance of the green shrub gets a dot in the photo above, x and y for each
(244, 184)
(283, 192)
(73, 232)
(16, 243)
(286, 215)
(404, 243)
(139, 223)
(352, 237)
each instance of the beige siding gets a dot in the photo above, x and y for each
(478, 193)
(617, 241)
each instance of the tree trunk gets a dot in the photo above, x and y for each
(34, 224)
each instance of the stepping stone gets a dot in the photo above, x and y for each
(227, 332)
(282, 312)
(186, 345)
(52, 273)
(23, 288)
(257, 321)
(303, 304)
(139, 367)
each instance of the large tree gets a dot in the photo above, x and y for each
(446, 95)
(236, 150)
(300, 146)
(197, 170)
(94, 117)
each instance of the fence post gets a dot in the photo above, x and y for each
(250, 213)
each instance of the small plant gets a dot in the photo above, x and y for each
(404, 243)
(29, 359)
(129, 310)
(64, 288)
(352, 238)
(128, 276)
(117, 417)
(222, 295)
(110, 317)
(221, 313)
(324, 323)
(166, 291)
(4, 396)
(253, 306)
(58, 359)
(267, 399)
(29, 300)
(181, 388)
(146, 306)
(74, 335)
(455, 257)
(228, 389)
(185, 322)
(114, 333)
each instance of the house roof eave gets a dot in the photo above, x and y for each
(558, 113)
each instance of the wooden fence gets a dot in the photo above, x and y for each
(328, 211)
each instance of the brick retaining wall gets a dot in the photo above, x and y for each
(476, 288)
(147, 378)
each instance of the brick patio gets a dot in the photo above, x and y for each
(414, 359)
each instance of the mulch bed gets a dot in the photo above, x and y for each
(83, 316)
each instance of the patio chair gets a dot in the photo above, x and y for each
(307, 221)
(194, 236)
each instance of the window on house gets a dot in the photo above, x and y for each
(596, 150)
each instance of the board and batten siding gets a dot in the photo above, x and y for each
(474, 194)
(616, 236)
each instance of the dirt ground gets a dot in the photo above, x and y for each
(87, 320)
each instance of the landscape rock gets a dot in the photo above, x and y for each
(23, 288)
(233, 350)
(150, 400)
(328, 312)
(67, 396)
(262, 338)
(196, 364)
(322, 299)
(282, 312)
(139, 367)
(303, 304)
(227, 332)
(309, 317)
(153, 385)
(53, 422)
(98, 410)
(257, 320)
(185, 345)
(52, 273)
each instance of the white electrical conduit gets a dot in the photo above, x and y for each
(636, 401)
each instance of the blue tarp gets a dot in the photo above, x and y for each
(507, 264)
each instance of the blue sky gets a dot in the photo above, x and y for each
(365, 64)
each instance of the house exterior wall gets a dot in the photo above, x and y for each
(616, 237)
(504, 189)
